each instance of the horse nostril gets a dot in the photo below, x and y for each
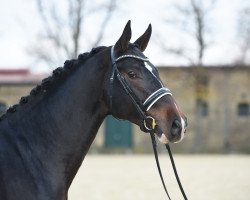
(186, 122)
(176, 128)
(176, 124)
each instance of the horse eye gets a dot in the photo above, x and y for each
(132, 74)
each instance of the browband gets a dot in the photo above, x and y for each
(131, 56)
(125, 56)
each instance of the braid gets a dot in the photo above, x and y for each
(57, 75)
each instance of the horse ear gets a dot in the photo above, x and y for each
(142, 42)
(122, 44)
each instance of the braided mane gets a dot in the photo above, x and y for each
(59, 74)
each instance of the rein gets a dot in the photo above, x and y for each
(141, 109)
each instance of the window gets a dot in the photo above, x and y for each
(243, 109)
(202, 108)
(2, 108)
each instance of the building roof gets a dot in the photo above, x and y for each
(209, 67)
(20, 76)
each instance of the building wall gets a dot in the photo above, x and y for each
(11, 93)
(222, 129)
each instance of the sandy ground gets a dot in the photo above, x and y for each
(129, 177)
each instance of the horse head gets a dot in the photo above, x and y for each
(137, 94)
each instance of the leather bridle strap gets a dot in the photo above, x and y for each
(175, 172)
(157, 162)
(125, 86)
(173, 165)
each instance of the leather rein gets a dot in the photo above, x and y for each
(141, 109)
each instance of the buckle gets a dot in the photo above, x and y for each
(149, 123)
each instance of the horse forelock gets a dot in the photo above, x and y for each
(58, 75)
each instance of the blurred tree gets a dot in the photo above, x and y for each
(191, 19)
(244, 36)
(63, 27)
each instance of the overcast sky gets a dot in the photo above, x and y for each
(19, 28)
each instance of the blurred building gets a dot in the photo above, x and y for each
(217, 107)
(15, 83)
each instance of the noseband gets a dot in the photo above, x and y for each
(140, 107)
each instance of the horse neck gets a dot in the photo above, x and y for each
(60, 127)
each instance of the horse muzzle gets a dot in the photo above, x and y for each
(174, 134)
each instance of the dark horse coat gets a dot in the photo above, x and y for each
(44, 138)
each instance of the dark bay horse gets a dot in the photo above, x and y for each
(44, 138)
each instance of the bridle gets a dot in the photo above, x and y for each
(141, 109)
